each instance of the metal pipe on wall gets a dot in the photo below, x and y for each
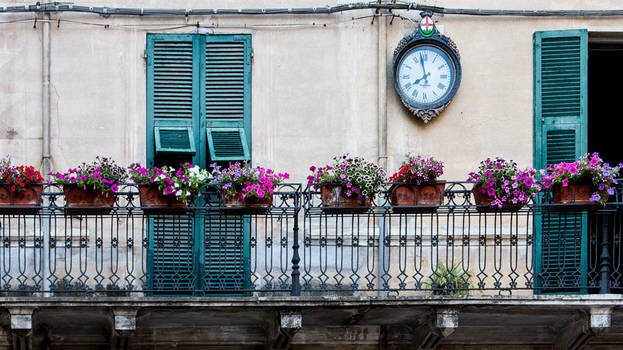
(382, 129)
(46, 161)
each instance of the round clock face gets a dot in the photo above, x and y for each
(425, 75)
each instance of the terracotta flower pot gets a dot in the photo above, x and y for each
(483, 203)
(26, 201)
(235, 205)
(81, 201)
(153, 201)
(417, 198)
(334, 200)
(574, 193)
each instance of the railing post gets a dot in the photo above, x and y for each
(604, 282)
(296, 286)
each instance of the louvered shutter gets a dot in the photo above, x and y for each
(228, 97)
(173, 89)
(560, 112)
(226, 259)
(228, 135)
(171, 267)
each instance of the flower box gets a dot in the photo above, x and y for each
(246, 190)
(236, 205)
(407, 198)
(26, 201)
(584, 184)
(335, 200)
(348, 185)
(167, 190)
(578, 195)
(20, 189)
(80, 201)
(153, 201)
(501, 186)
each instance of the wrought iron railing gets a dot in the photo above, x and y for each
(299, 248)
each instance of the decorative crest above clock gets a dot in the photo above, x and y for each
(426, 70)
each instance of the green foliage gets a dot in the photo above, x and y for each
(453, 281)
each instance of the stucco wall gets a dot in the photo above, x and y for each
(314, 92)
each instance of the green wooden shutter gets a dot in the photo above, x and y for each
(228, 97)
(171, 267)
(227, 140)
(560, 112)
(173, 128)
(173, 89)
(226, 259)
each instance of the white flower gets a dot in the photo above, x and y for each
(178, 193)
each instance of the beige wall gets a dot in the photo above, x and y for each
(314, 87)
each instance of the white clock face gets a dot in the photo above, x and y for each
(425, 75)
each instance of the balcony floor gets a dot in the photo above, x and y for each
(334, 322)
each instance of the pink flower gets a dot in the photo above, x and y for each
(565, 182)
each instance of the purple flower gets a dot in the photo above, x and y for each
(595, 198)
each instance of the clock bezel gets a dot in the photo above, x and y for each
(427, 111)
(403, 94)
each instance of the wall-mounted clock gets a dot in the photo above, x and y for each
(426, 70)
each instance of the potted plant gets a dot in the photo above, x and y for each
(20, 188)
(501, 185)
(245, 189)
(90, 188)
(586, 181)
(167, 188)
(415, 186)
(348, 185)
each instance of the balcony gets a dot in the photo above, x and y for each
(298, 249)
(298, 275)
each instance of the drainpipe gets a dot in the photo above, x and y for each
(46, 162)
(382, 132)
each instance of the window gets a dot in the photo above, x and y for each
(198, 111)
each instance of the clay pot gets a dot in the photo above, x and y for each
(153, 201)
(235, 205)
(81, 201)
(483, 203)
(578, 194)
(417, 198)
(334, 200)
(26, 201)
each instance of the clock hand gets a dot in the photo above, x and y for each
(417, 81)
(423, 69)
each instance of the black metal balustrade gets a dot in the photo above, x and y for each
(297, 248)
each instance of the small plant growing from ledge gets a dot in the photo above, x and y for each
(449, 281)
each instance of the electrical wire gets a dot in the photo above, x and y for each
(376, 5)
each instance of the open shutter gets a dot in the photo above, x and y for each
(226, 259)
(172, 263)
(560, 112)
(228, 97)
(227, 140)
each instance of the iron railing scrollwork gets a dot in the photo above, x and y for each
(298, 248)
